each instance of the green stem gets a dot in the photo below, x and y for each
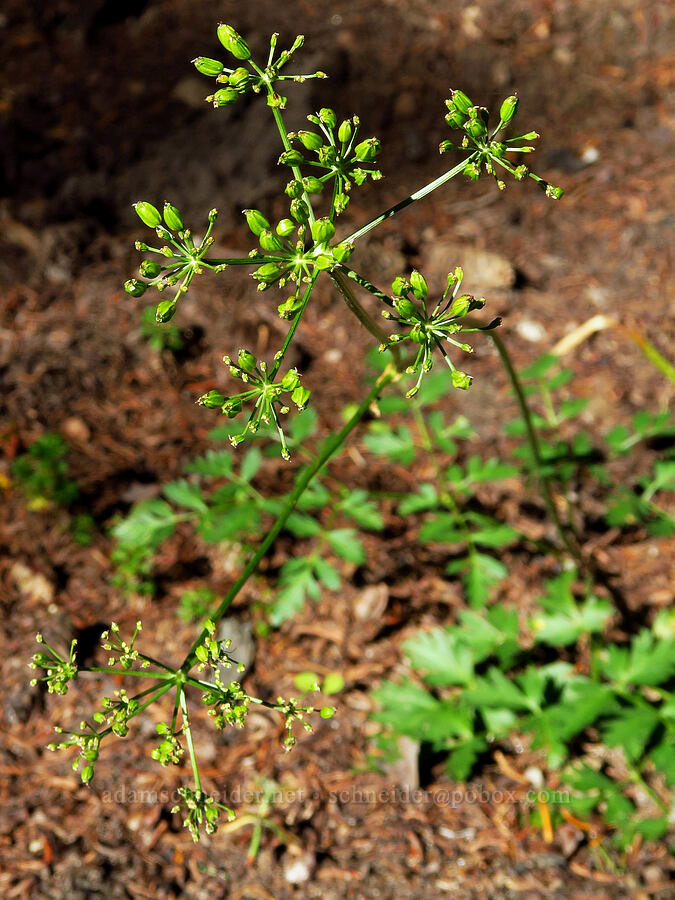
(339, 280)
(329, 448)
(418, 195)
(569, 541)
(132, 672)
(188, 737)
(291, 331)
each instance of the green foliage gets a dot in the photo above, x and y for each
(42, 473)
(477, 682)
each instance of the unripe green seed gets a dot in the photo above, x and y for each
(149, 268)
(232, 408)
(165, 311)
(256, 221)
(405, 308)
(327, 712)
(135, 287)
(555, 193)
(345, 131)
(418, 285)
(285, 227)
(269, 241)
(148, 214)
(508, 109)
(367, 150)
(224, 97)
(299, 211)
(312, 184)
(342, 252)
(323, 262)
(328, 117)
(311, 140)
(268, 272)
(300, 396)
(87, 774)
(291, 158)
(461, 380)
(173, 218)
(247, 361)
(455, 118)
(476, 128)
(400, 286)
(461, 102)
(290, 380)
(294, 189)
(240, 78)
(322, 230)
(207, 66)
(233, 42)
(211, 400)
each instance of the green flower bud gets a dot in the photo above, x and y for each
(342, 252)
(405, 308)
(211, 400)
(268, 272)
(445, 147)
(418, 285)
(290, 380)
(87, 774)
(367, 150)
(322, 230)
(299, 211)
(461, 380)
(224, 97)
(148, 214)
(327, 712)
(461, 102)
(291, 158)
(400, 286)
(285, 227)
(327, 117)
(256, 221)
(300, 396)
(149, 268)
(240, 78)
(173, 218)
(310, 140)
(233, 42)
(135, 287)
(312, 184)
(294, 189)
(247, 361)
(508, 109)
(165, 311)
(269, 241)
(206, 66)
(345, 131)
(520, 173)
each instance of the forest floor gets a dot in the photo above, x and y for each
(101, 108)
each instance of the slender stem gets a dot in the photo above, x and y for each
(131, 672)
(343, 286)
(330, 447)
(365, 284)
(291, 331)
(188, 736)
(568, 540)
(418, 195)
(236, 261)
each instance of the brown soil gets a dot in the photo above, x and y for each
(100, 107)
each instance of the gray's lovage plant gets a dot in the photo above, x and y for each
(325, 162)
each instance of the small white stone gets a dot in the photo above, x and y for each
(531, 331)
